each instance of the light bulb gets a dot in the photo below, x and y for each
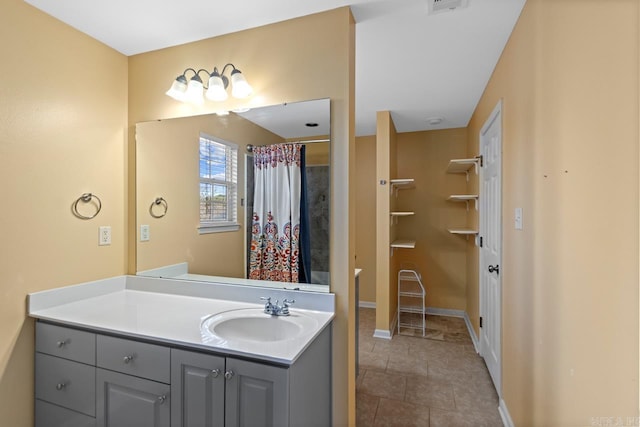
(216, 91)
(240, 87)
(178, 89)
(194, 91)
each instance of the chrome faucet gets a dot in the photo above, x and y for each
(275, 309)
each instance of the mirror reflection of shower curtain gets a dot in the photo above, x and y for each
(276, 236)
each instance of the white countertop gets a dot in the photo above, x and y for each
(172, 311)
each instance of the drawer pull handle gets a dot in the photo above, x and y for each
(127, 359)
(60, 386)
(61, 344)
(229, 374)
(162, 399)
(215, 373)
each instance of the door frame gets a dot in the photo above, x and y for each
(497, 111)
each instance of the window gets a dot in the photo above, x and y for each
(218, 185)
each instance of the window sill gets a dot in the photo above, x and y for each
(222, 228)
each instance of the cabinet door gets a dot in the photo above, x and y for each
(197, 387)
(256, 395)
(50, 415)
(126, 401)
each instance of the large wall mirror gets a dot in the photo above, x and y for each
(195, 192)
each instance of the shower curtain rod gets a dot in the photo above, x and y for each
(309, 141)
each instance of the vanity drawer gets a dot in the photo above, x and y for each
(49, 415)
(66, 383)
(134, 358)
(64, 342)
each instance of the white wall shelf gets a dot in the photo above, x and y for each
(396, 215)
(463, 165)
(463, 231)
(464, 198)
(401, 184)
(406, 244)
(402, 244)
(466, 232)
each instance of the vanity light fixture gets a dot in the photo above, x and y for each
(193, 90)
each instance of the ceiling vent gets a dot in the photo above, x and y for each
(439, 6)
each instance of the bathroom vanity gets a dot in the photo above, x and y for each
(132, 351)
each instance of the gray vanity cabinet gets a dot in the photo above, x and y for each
(132, 382)
(256, 394)
(197, 389)
(211, 391)
(128, 401)
(86, 379)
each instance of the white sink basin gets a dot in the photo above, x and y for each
(252, 324)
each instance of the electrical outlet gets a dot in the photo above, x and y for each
(144, 233)
(104, 237)
(518, 218)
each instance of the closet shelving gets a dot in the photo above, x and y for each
(464, 166)
(463, 231)
(411, 301)
(465, 198)
(395, 185)
(402, 244)
(400, 184)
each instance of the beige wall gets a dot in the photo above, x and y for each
(569, 83)
(270, 58)
(366, 185)
(386, 169)
(167, 154)
(439, 255)
(63, 118)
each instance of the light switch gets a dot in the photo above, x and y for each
(518, 218)
(144, 233)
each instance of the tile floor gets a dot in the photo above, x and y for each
(428, 382)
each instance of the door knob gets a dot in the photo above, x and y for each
(495, 268)
(229, 374)
(215, 373)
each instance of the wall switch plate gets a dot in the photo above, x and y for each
(104, 237)
(518, 218)
(144, 233)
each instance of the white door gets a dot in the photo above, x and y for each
(491, 244)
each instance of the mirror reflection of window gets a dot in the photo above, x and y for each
(218, 185)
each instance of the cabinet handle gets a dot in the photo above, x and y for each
(61, 344)
(215, 373)
(162, 399)
(229, 374)
(60, 386)
(127, 359)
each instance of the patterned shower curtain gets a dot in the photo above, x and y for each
(275, 231)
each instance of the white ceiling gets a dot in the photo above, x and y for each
(416, 65)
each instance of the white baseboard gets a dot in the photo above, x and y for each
(504, 414)
(381, 333)
(472, 333)
(366, 304)
(434, 311)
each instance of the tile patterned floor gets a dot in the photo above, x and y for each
(429, 382)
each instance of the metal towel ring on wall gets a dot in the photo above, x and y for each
(159, 201)
(86, 198)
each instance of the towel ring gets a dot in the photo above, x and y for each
(86, 198)
(159, 201)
